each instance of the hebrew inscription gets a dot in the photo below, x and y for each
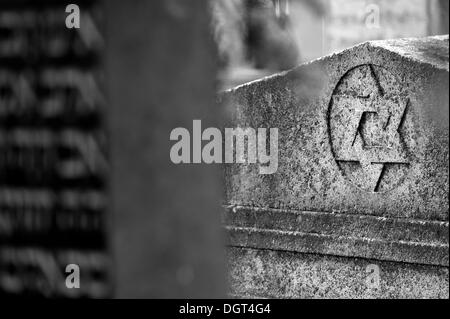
(53, 162)
(371, 128)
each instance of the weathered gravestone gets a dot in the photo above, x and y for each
(359, 204)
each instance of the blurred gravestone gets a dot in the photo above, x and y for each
(52, 151)
(161, 69)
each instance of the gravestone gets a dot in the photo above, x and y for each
(359, 204)
(53, 162)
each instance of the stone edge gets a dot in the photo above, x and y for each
(346, 235)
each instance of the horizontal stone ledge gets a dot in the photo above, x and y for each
(364, 236)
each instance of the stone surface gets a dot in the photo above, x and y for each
(279, 274)
(325, 109)
(350, 235)
(362, 173)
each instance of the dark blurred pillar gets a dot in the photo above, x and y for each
(438, 17)
(161, 70)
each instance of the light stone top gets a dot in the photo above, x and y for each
(431, 50)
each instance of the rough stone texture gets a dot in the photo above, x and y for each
(321, 108)
(349, 235)
(363, 142)
(278, 274)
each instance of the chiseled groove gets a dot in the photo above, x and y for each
(371, 243)
(339, 224)
(409, 252)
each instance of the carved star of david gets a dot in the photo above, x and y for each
(372, 138)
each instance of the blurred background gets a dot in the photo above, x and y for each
(259, 37)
